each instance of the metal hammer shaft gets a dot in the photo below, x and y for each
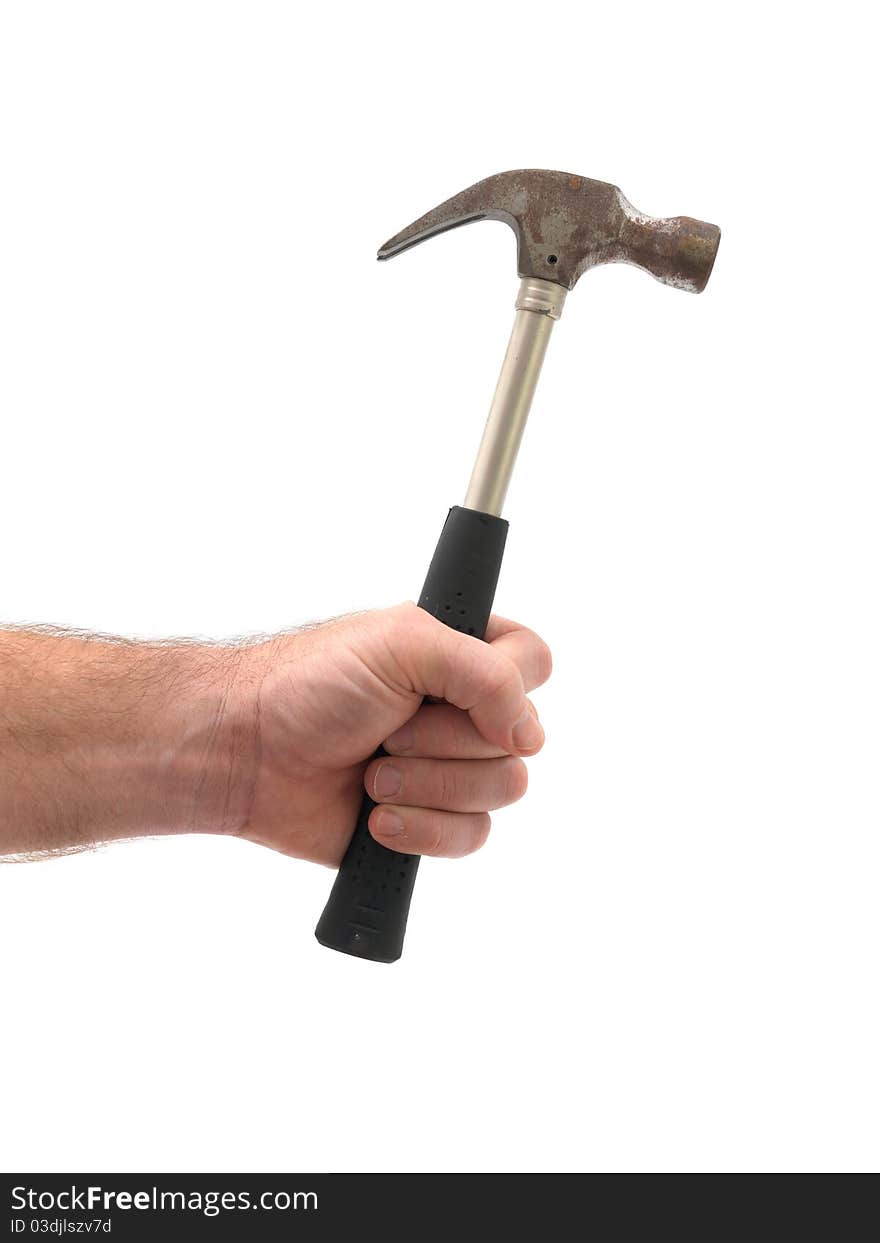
(538, 306)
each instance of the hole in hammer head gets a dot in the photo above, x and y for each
(552, 258)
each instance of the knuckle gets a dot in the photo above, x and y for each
(491, 671)
(543, 660)
(516, 780)
(502, 675)
(482, 823)
(402, 621)
(404, 611)
(447, 785)
(389, 622)
(436, 836)
(405, 631)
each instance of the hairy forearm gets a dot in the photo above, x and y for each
(103, 739)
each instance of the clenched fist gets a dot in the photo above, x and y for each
(329, 696)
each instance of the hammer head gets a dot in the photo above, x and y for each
(565, 224)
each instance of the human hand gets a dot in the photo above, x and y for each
(326, 697)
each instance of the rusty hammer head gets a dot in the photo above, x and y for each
(566, 224)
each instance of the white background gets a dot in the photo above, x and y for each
(220, 415)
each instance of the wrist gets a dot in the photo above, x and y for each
(203, 744)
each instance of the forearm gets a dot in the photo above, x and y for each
(105, 739)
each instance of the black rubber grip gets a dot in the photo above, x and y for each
(368, 906)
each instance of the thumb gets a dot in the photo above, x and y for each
(468, 673)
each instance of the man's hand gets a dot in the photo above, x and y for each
(330, 695)
(271, 741)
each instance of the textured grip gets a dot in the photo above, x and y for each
(368, 906)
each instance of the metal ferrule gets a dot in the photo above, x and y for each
(545, 297)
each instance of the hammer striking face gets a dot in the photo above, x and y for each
(564, 225)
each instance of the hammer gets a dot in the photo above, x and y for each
(564, 225)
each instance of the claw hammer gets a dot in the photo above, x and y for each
(564, 225)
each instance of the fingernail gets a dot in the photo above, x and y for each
(403, 739)
(388, 823)
(387, 781)
(527, 733)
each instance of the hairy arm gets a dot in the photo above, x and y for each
(273, 741)
(103, 739)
